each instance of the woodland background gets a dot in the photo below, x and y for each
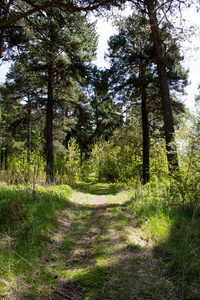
(64, 121)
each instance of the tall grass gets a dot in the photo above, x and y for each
(158, 212)
(166, 210)
(27, 219)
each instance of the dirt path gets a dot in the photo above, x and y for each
(97, 253)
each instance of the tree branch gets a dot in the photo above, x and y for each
(54, 3)
(3, 30)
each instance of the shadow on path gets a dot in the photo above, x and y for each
(97, 250)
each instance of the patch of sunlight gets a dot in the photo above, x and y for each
(114, 248)
(157, 227)
(6, 284)
(121, 197)
(133, 236)
(108, 261)
(73, 273)
(92, 199)
(82, 198)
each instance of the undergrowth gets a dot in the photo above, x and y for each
(89, 255)
(174, 228)
(27, 219)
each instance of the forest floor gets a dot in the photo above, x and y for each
(97, 252)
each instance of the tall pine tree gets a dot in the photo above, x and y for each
(134, 74)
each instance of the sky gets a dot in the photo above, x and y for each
(191, 62)
(191, 55)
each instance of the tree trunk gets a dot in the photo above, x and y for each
(164, 88)
(1, 162)
(145, 127)
(49, 127)
(3, 29)
(81, 156)
(29, 130)
(6, 158)
(146, 172)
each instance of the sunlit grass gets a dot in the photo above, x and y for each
(99, 253)
(28, 218)
(100, 238)
(109, 193)
(157, 228)
(174, 232)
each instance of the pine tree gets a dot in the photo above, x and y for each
(134, 74)
(12, 129)
(58, 49)
(28, 89)
(107, 114)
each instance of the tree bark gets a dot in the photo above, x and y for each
(6, 158)
(1, 162)
(145, 127)
(3, 29)
(29, 130)
(49, 127)
(164, 88)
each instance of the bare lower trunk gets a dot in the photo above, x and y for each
(164, 88)
(2, 156)
(145, 126)
(6, 158)
(49, 127)
(29, 130)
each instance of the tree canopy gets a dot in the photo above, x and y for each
(53, 45)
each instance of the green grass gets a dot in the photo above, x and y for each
(28, 218)
(99, 256)
(175, 234)
(136, 244)
(99, 188)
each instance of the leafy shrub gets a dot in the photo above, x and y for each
(158, 160)
(68, 166)
(22, 169)
(115, 162)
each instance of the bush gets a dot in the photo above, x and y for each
(26, 167)
(115, 163)
(68, 166)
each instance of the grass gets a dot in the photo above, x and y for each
(174, 233)
(97, 241)
(180, 253)
(28, 218)
(99, 188)
(101, 258)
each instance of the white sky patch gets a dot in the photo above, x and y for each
(105, 29)
(191, 52)
(193, 64)
(4, 67)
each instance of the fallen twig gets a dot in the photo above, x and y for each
(22, 258)
(61, 294)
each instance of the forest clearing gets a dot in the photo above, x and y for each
(99, 166)
(96, 241)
